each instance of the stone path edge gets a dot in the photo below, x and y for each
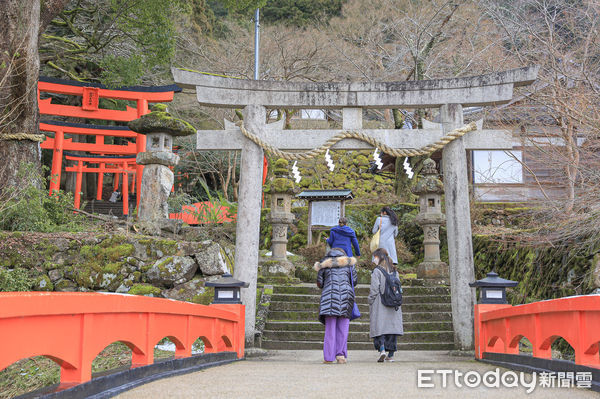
(113, 384)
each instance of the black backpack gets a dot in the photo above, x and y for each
(392, 296)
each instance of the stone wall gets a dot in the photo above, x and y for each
(122, 263)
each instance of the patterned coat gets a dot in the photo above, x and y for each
(337, 295)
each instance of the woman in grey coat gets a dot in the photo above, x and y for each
(385, 322)
(389, 229)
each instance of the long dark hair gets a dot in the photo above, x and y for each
(393, 218)
(384, 260)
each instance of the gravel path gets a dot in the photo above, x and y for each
(301, 374)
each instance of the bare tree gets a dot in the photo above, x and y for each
(562, 37)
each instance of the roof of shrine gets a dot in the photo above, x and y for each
(313, 195)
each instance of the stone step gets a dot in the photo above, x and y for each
(361, 299)
(410, 307)
(306, 345)
(361, 290)
(356, 326)
(106, 207)
(281, 280)
(358, 336)
(279, 315)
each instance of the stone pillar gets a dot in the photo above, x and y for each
(430, 189)
(248, 218)
(458, 222)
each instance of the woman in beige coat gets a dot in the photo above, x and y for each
(385, 322)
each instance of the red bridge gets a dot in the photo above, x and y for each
(72, 328)
(499, 328)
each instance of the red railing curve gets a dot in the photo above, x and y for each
(72, 328)
(499, 328)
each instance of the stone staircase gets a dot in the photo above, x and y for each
(292, 321)
(107, 208)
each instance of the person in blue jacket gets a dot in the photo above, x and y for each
(343, 237)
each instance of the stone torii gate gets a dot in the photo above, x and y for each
(449, 95)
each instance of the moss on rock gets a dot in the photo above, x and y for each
(43, 283)
(144, 289)
(160, 121)
(339, 180)
(204, 298)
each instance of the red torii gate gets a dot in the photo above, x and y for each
(106, 164)
(89, 109)
(59, 144)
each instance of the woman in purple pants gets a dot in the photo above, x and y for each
(336, 277)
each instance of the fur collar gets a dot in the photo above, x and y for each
(340, 261)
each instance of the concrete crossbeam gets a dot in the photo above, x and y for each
(302, 140)
(491, 89)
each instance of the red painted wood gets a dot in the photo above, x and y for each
(90, 110)
(71, 328)
(499, 328)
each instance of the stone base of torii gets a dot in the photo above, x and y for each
(449, 95)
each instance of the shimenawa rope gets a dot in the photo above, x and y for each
(23, 136)
(350, 134)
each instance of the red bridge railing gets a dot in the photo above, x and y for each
(73, 328)
(499, 328)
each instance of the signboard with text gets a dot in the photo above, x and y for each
(325, 213)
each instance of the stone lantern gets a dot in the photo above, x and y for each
(493, 288)
(157, 180)
(281, 216)
(430, 189)
(227, 289)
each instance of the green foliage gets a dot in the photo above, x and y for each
(30, 208)
(177, 200)
(300, 12)
(117, 42)
(27, 375)
(212, 213)
(542, 273)
(243, 5)
(14, 280)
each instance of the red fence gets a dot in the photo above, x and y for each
(499, 328)
(72, 328)
(206, 212)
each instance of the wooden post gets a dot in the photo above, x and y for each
(59, 137)
(78, 184)
(249, 209)
(101, 166)
(125, 190)
(133, 186)
(458, 224)
(116, 179)
(309, 234)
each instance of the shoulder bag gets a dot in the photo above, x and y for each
(375, 240)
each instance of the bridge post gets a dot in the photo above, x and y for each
(458, 224)
(248, 219)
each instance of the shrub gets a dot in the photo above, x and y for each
(30, 208)
(14, 280)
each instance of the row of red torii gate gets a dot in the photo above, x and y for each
(100, 156)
